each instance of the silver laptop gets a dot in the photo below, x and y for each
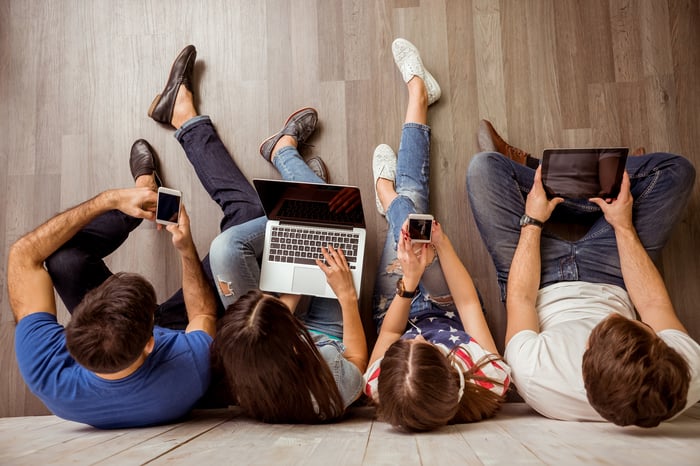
(302, 217)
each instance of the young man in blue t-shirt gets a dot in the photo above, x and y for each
(115, 365)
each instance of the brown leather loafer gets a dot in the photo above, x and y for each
(489, 140)
(161, 109)
(142, 160)
(300, 125)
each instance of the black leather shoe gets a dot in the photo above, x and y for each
(142, 160)
(161, 109)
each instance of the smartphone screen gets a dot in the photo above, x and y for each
(168, 210)
(420, 228)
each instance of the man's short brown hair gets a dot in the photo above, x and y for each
(111, 326)
(632, 376)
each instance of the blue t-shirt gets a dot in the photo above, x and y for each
(171, 380)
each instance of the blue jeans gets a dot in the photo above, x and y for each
(412, 187)
(236, 254)
(78, 266)
(660, 184)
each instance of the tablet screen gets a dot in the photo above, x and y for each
(583, 173)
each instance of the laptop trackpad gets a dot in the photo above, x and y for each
(312, 281)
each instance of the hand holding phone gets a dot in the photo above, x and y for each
(168, 207)
(420, 227)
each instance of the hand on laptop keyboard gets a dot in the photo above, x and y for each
(337, 272)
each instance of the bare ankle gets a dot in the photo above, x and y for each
(147, 181)
(184, 107)
(285, 141)
(385, 192)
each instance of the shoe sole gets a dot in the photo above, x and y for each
(289, 118)
(483, 138)
(380, 208)
(155, 103)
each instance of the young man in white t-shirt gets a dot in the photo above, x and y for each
(573, 341)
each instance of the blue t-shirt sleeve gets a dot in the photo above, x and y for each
(40, 347)
(200, 342)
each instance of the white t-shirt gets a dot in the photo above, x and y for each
(546, 367)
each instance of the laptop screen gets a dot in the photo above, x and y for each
(311, 203)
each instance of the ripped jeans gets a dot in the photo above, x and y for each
(412, 187)
(236, 253)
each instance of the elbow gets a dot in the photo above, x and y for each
(19, 254)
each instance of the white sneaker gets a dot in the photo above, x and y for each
(383, 166)
(410, 64)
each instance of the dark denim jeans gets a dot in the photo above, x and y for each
(78, 266)
(660, 184)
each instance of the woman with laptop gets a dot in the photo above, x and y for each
(435, 361)
(279, 365)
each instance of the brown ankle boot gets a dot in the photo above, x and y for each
(490, 141)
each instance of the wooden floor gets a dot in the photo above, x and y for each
(77, 77)
(516, 436)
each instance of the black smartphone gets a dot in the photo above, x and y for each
(420, 227)
(168, 208)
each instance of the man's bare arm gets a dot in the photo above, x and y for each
(200, 301)
(526, 267)
(30, 288)
(523, 283)
(642, 279)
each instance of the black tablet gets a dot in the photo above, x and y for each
(583, 173)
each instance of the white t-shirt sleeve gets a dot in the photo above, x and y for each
(689, 349)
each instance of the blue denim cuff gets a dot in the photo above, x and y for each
(189, 123)
(417, 125)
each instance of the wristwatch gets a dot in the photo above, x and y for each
(401, 291)
(527, 220)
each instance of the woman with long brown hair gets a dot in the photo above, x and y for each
(280, 364)
(435, 361)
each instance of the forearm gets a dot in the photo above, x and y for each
(644, 283)
(291, 301)
(464, 295)
(353, 334)
(393, 326)
(36, 246)
(523, 283)
(198, 295)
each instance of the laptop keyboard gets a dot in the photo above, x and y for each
(300, 245)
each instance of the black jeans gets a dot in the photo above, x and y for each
(78, 266)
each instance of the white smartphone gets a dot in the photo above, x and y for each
(420, 227)
(168, 207)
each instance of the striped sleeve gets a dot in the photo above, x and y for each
(372, 379)
(497, 370)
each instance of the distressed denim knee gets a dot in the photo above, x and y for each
(234, 259)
